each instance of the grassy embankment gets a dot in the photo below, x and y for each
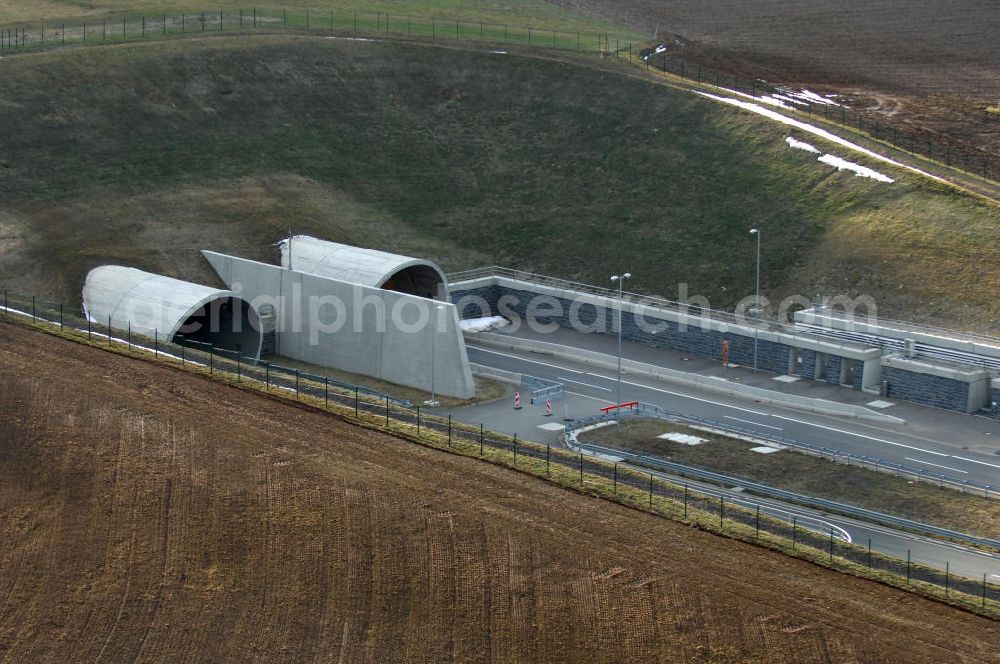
(144, 154)
(809, 475)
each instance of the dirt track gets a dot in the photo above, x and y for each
(153, 516)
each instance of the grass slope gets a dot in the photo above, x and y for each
(542, 15)
(145, 153)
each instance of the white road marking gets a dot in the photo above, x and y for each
(576, 382)
(992, 465)
(928, 463)
(861, 435)
(585, 396)
(730, 417)
(688, 396)
(523, 359)
(745, 410)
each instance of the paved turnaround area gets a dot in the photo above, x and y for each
(154, 515)
(966, 447)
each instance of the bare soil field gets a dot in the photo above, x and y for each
(151, 515)
(926, 65)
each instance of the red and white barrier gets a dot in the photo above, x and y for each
(548, 408)
(517, 401)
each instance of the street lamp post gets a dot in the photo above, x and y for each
(433, 402)
(621, 283)
(756, 231)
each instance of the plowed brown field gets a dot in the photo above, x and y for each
(152, 515)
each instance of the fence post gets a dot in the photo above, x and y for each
(480, 439)
(614, 488)
(515, 449)
(326, 393)
(128, 336)
(449, 431)
(6, 309)
(685, 501)
(211, 359)
(89, 338)
(267, 376)
(947, 577)
(548, 454)
(581, 468)
(387, 411)
(33, 316)
(109, 330)
(757, 533)
(418, 419)
(907, 566)
(355, 401)
(61, 317)
(795, 533)
(156, 343)
(239, 370)
(651, 489)
(296, 382)
(831, 545)
(182, 356)
(722, 509)
(869, 553)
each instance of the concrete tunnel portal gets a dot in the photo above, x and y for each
(172, 310)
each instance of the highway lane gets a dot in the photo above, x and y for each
(845, 434)
(961, 560)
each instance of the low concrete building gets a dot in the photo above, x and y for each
(170, 309)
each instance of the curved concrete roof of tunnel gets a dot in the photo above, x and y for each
(368, 267)
(155, 304)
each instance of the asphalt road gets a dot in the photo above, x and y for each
(885, 441)
(963, 561)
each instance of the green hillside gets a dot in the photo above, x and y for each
(144, 154)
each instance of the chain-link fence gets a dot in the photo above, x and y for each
(592, 474)
(145, 27)
(954, 154)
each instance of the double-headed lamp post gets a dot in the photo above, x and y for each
(756, 231)
(433, 402)
(620, 279)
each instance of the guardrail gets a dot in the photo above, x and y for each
(542, 388)
(685, 309)
(960, 358)
(759, 489)
(863, 460)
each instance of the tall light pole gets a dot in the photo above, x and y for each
(756, 231)
(433, 402)
(621, 282)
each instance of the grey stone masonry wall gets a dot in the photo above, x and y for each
(807, 369)
(514, 304)
(833, 369)
(925, 389)
(470, 301)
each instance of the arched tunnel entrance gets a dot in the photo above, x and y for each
(419, 280)
(229, 323)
